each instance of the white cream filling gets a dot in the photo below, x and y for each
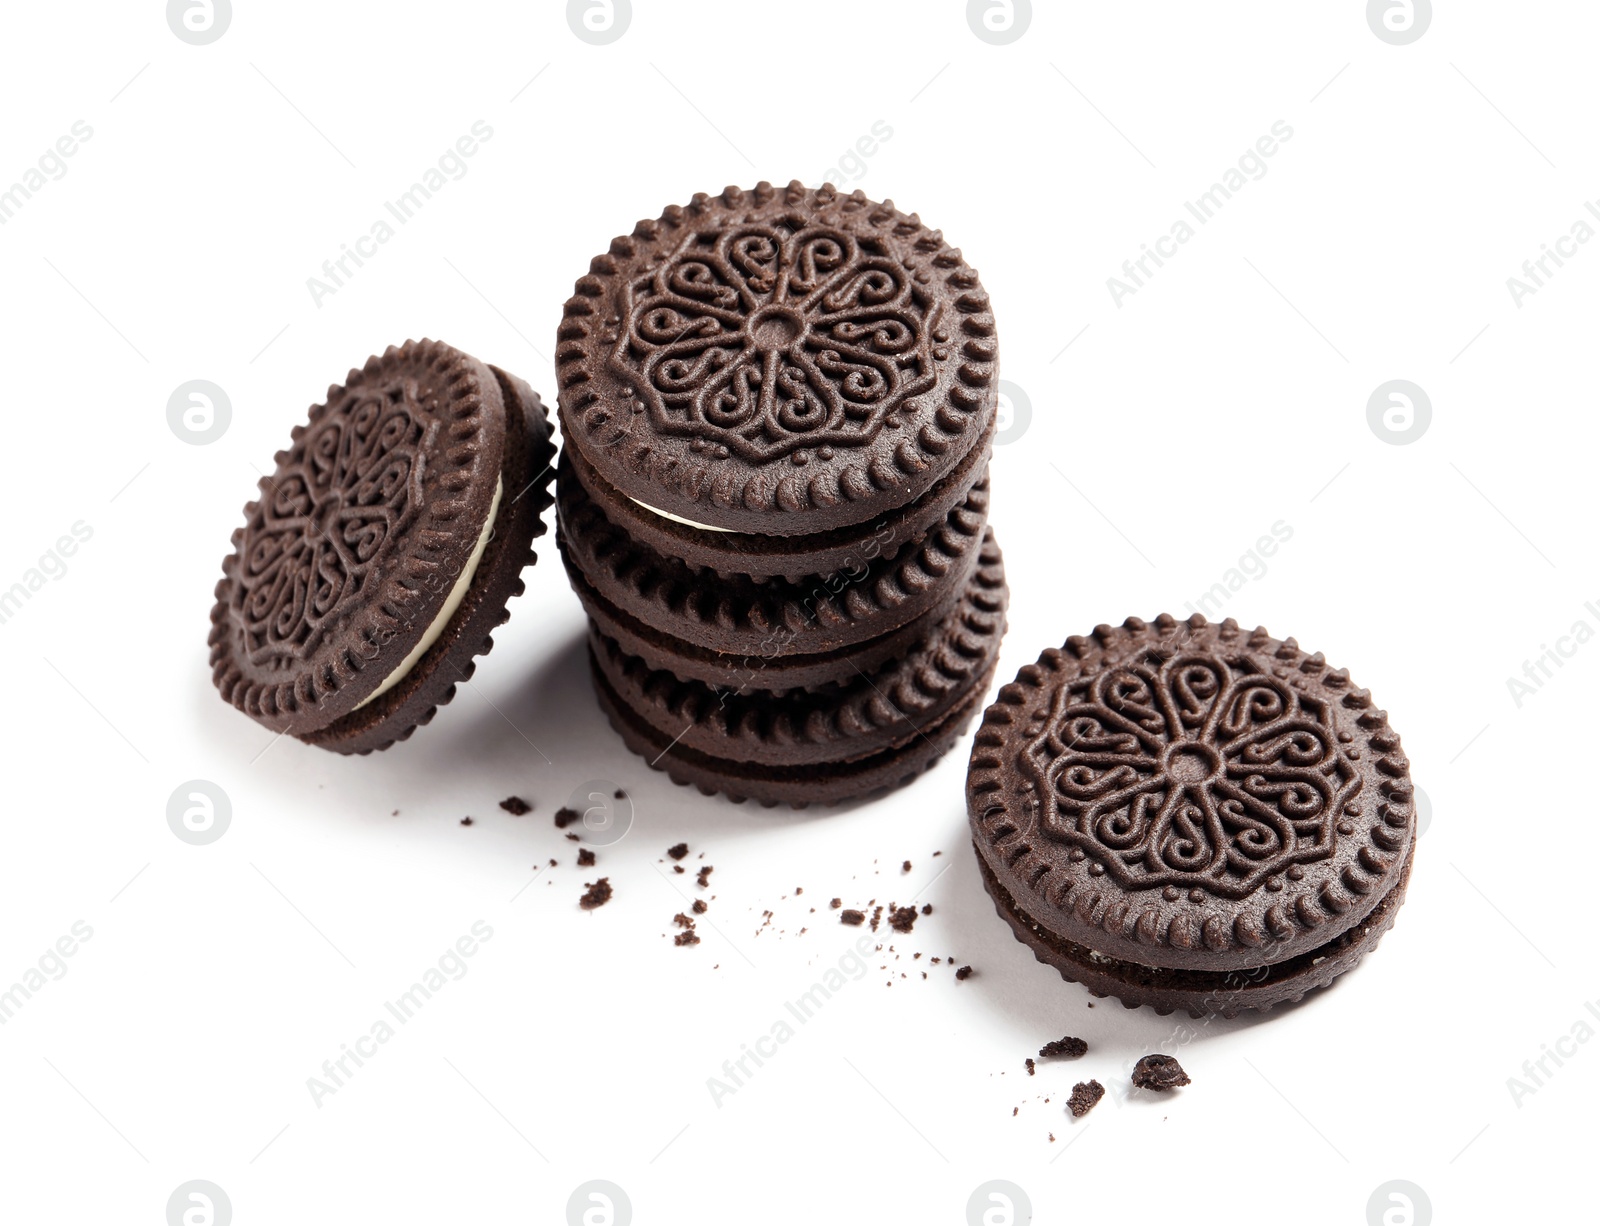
(678, 519)
(452, 602)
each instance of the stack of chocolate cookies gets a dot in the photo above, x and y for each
(778, 408)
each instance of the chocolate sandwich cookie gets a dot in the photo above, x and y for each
(383, 549)
(793, 558)
(736, 617)
(780, 362)
(824, 747)
(1191, 816)
(766, 670)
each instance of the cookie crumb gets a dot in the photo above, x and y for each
(699, 907)
(836, 903)
(852, 917)
(687, 937)
(704, 877)
(585, 858)
(565, 817)
(678, 850)
(1068, 1046)
(877, 914)
(1029, 1063)
(901, 919)
(1084, 1096)
(964, 973)
(682, 920)
(619, 794)
(1158, 1072)
(598, 894)
(516, 806)
(906, 867)
(927, 908)
(466, 821)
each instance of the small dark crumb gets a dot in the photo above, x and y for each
(677, 868)
(927, 908)
(619, 794)
(1084, 1096)
(687, 937)
(901, 919)
(836, 903)
(852, 917)
(565, 817)
(516, 806)
(552, 861)
(598, 894)
(585, 858)
(877, 914)
(699, 907)
(1069, 1047)
(1052, 1136)
(964, 973)
(396, 813)
(678, 850)
(935, 961)
(573, 837)
(1029, 1063)
(682, 920)
(466, 821)
(704, 877)
(906, 867)
(1158, 1072)
(938, 853)
(1014, 1109)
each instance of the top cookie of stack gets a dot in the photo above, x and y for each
(757, 380)
(778, 406)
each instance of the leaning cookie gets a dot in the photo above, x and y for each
(1191, 816)
(383, 549)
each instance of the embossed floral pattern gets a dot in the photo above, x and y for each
(764, 339)
(328, 517)
(1196, 773)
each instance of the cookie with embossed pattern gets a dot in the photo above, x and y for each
(1191, 816)
(779, 362)
(383, 549)
(833, 745)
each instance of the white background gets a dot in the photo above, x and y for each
(1227, 394)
